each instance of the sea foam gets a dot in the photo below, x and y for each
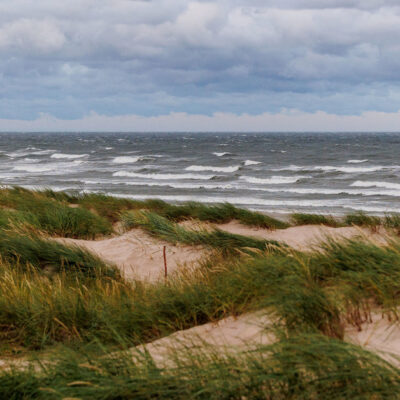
(67, 156)
(200, 168)
(273, 180)
(125, 160)
(251, 162)
(384, 185)
(162, 176)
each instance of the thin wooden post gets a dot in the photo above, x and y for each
(165, 261)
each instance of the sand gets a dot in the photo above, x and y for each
(303, 237)
(139, 256)
(232, 333)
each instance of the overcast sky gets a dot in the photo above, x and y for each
(200, 65)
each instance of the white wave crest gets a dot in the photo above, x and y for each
(162, 176)
(251, 162)
(67, 156)
(32, 168)
(273, 180)
(384, 185)
(200, 168)
(125, 160)
(329, 168)
(225, 153)
(356, 161)
(349, 170)
(181, 185)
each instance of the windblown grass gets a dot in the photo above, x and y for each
(111, 208)
(314, 219)
(361, 219)
(302, 293)
(300, 367)
(52, 216)
(31, 250)
(172, 232)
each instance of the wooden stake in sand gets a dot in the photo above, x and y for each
(165, 261)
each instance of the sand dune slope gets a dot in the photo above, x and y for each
(138, 255)
(302, 237)
(229, 333)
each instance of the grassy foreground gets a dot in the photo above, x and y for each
(72, 309)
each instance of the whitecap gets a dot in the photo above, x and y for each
(329, 168)
(273, 180)
(181, 185)
(221, 154)
(251, 162)
(200, 168)
(356, 161)
(125, 160)
(385, 185)
(162, 176)
(32, 168)
(67, 156)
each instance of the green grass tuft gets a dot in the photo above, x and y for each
(314, 219)
(361, 219)
(300, 367)
(174, 233)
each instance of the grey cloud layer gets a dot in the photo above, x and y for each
(154, 57)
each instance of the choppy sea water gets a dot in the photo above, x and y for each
(325, 172)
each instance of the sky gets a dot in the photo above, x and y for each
(164, 65)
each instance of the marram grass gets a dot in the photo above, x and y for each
(308, 367)
(172, 232)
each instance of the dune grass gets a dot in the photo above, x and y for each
(317, 292)
(111, 208)
(30, 250)
(172, 232)
(299, 367)
(362, 219)
(52, 216)
(314, 219)
(52, 294)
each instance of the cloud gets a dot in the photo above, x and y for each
(162, 56)
(286, 121)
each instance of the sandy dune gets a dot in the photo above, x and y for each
(240, 332)
(139, 256)
(302, 237)
(379, 336)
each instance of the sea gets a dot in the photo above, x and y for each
(334, 173)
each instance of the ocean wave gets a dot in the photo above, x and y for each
(291, 168)
(125, 160)
(384, 185)
(200, 168)
(181, 185)
(67, 156)
(225, 153)
(273, 180)
(356, 161)
(42, 152)
(329, 168)
(243, 200)
(326, 191)
(251, 162)
(349, 170)
(32, 168)
(162, 176)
